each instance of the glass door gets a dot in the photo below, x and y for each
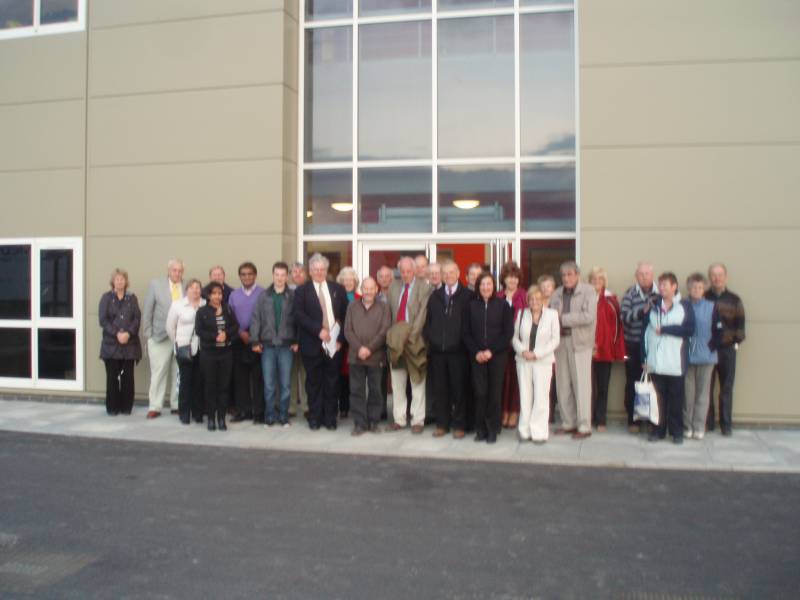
(490, 254)
(374, 255)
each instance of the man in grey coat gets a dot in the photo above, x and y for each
(163, 367)
(576, 304)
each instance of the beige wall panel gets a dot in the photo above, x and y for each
(223, 51)
(242, 123)
(761, 264)
(291, 31)
(30, 73)
(705, 187)
(46, 135)
(289, 198)
(292, 7)
(289, 124)
(56, 194)
(687, 30)
(108, 13)
(690, 104)
(180, 199)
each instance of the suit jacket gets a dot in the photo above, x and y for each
(582, 315)
(156, 308)
(548, 336)
(417, 304)
(308, 315)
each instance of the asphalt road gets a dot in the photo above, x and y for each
(82, 518)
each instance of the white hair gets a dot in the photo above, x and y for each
(317, 258)
(347, 272)
(174, 262)
(406, 258)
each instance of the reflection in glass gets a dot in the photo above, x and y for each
(59, 11)
(339, 254)
(370, 8)
(328, 201)
(56, 283)
(476, 198)
(394, 102)
(16, 13)
(57, 354)
(15, 352)
(15, 282)
(469, 4)
(546, 2)
(476, 87)
(544, 257)
(329, 94)
(395, 200)
(548, 197)
(547, 84)
(316, 10)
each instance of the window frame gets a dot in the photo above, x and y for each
(37, 322)
(49, 28)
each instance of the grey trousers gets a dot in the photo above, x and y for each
(697, 385)
(574, 386)
(299, 398)
(366, 402)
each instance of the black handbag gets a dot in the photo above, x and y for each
(183, 353)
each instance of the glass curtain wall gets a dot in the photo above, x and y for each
(429, 119)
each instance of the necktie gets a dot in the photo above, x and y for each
(324, 306)
(401, 311)
(176, 292)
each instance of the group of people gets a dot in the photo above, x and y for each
(462, 355)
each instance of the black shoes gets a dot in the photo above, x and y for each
(331, 427)
(482, 437)
(212, 426)
(491, 438)
(241, 417)
(221, 422)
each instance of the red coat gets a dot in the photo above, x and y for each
(519, 301)
(609, 341)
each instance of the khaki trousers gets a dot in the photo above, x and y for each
(399, 378)
(574, 386)
(163, 374)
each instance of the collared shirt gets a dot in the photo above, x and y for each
(566, 306)
(322, 288)
(410, 290)
(175, 290)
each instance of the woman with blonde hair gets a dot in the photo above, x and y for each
(536, 337)
(348, 279)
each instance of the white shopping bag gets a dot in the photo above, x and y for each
(645, 400)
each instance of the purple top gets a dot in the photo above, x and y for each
(243, 305)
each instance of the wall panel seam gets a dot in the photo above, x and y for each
(41, 169)
(689, 227)
(186, 162)
(198, 233)
(41, 101)
(688, 62)
(732, 144)
(134, 24)
(208, 88)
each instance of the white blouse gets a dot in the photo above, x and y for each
(180, 323)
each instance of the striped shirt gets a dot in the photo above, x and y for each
(220, 328)
(632, 312)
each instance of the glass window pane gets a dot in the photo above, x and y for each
(15, 353)
(16, 13)
(316, 10)
(59, 11)
(469, 4)
(394, 101)
(547, 84)
(370, 8)
(546, 2)
(329, 94)
(476, 198)
(395, 200)
(339, 254)
(57, 354)
(15, 282)
(56, 283)
(476, 87)
(544, 257)
(548, 197)
(329, 201)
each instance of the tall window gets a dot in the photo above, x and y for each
(439, 119)
(19, 18)
(41, 307)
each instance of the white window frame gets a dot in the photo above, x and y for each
(51, 28)
(37, 322)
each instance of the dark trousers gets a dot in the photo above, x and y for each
(430, 391)
(247, 383)
(322, 387)
(344, 392)
(216, 366)
(119, 386)
(671, 396)
(451, 370)
(365, 395)
(601, 375)
(190, 391)
(553, 396)
(633, 372)
(725, 373)
(487, 385)
(385, 375)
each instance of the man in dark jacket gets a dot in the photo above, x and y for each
(273, 336)
(447, 307)
(319, 308)
(730, 326)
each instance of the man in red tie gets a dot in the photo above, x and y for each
(408, 299)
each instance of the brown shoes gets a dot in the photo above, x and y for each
(417, 429)
(601, 429)
(440, 432)
(581, 435)
(394, 427)
(562, 431)
(458, 434)
(153, 414)
(634, 429)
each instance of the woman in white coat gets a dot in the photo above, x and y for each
(180, 329)
(536, 336)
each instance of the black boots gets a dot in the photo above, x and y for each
(221, 421)
(212, 425)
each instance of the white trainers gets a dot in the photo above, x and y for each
(698, 435)
(687, 433)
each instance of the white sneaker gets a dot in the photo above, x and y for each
(687, 433)
(698, 435)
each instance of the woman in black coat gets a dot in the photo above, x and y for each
(216, 326)
(487, 333)
(120, 348)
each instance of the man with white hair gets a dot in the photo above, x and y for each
(636, 304)
(162, 292)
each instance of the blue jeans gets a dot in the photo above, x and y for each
(276, 366)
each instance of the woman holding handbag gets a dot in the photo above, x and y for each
(180, 329)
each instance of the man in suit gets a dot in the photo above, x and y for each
(163, 367)
(319, 306)
(408, 300)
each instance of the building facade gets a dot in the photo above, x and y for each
(479, 130)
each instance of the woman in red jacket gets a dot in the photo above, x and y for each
(516, 297)
(609, 345)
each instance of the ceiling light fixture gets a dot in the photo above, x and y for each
(342, 206)
(466, 203)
